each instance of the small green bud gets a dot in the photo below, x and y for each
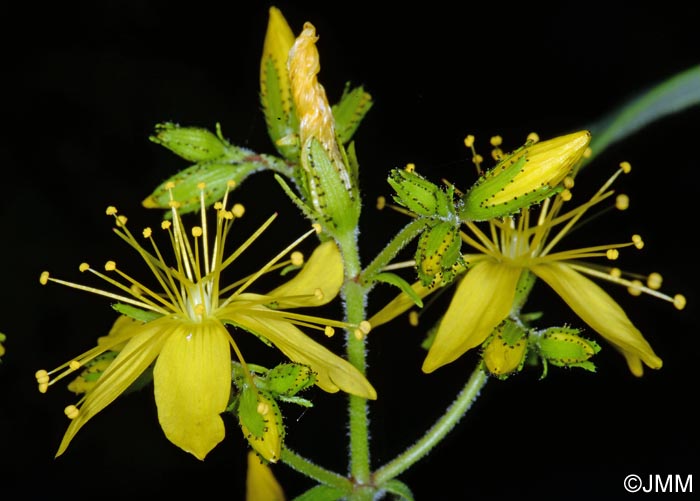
(505, 350)
(525, 177)
(563, 347)
(438, 257)
(289, 379)
(191, 143)
(421, 196)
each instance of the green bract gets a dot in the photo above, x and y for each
(504, 351)
(191, 143)
(438, 257)
(421, 196)
(563, 347)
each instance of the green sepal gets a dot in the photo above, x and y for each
(248, 411)
(352, 165)
(398, 488)
(288, 379)
(305, 209)
(280, 116)
(349, 111)
(322, 493)
(395, 280)
(438, 257)
(332, 202)
(136, 313)
(194, 144)
(421, 196)
(563, 347)
(429, 337)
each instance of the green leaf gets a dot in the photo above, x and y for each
(393, 279)
(677, 93)
(135, 313)
(322, 493)
(399, 488)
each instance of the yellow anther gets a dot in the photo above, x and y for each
(230, 183)
(110, 266)
(654, 281)
(74, 365)
(72, 411)
(587, 152)
(218, 205)
(43, 387)
(566, 195)
(174, 204)
(469, 141)
(111, 210)
(497, 153)
(359, 335)
(263, 408)
(238, 210)
(533, 136)
(636, 288)
(679, 301)
(169, 185)
(147, 233)
(381, 202)
(201, 185)
(166, 225)
(318, 294)
(612, 254)
(410, 167)
(477, 159)
(622, 202)
(329, 331)
(42, 376)
(568, 182)
(496, 140)
(365, 327)
(626, 167)
(637, 241)
(297, 258)
(227, 215)
(316, 227)
(44, 277)
(615, 272)
(121, 220)
(196, 231)
(413, 318)
(199, 309)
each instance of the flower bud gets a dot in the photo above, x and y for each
(289, 379)
(275, 88)
(525, 177)
(563, 347)
(421, 196)
(261, 423)
(438, 257)
(191, 143)
(505, 350)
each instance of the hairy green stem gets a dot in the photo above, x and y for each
(402, 238)
(437, 432)
(311, 470)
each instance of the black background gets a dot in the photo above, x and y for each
(89, 81)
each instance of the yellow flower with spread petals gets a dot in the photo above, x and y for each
(526, 243)
(188, 342)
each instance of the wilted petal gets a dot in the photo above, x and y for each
(322, 272)
(595, 307)
(133, 359)
(482, 300)
(332, 372)
(192, 383)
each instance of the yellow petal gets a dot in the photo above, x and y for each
(595, 307)
(278, 41)
(399, 305)
(261, 484)
(192, 383)
(322, 272)
(482, 300)
(134, 358)
(332, 372)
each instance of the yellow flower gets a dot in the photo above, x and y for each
(189, 341)
(525, 243)
(261, 484)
